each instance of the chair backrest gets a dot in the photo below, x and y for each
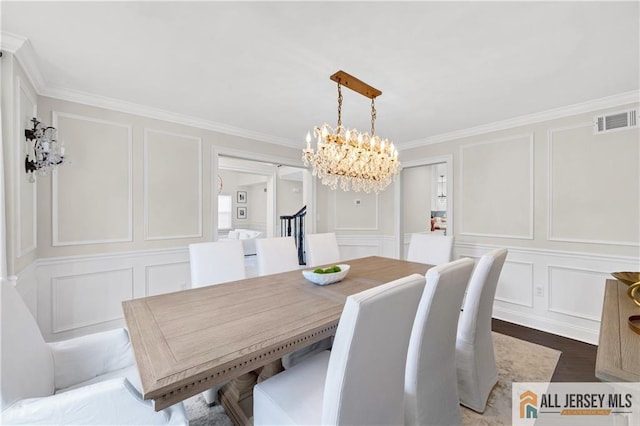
(27, 361)
(322, 249)
(430, 249)
(216, 262)
(475, 318)
(276, 255)
(365, 376)
(431, 395)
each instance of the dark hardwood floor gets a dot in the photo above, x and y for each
(577, 362)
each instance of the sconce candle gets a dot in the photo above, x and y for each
(44, 152)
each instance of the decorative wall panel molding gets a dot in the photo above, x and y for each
(501, 191)
(172, 185)
(355, 246)
(566, 284)
(582, 186)
(88, 207)
(78, 295)
(533, 291)
(554, 291)
(26, 205)
(167, 277)
(516, 283)
(81, 300)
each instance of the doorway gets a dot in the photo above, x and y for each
(258, 191)
(425, 201)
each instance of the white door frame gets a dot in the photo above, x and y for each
(428, 161)
(308, 191)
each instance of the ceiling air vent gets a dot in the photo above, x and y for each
(613, 122)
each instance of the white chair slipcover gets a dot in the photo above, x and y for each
(275, 255)
(475, 359)
(216, 263)
(322, 249)
(431, 396)
(360, 382)
(430, 249)
(89, 380)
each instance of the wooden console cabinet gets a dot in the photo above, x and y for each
(618, 358)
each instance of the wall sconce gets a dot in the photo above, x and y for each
(44, 152)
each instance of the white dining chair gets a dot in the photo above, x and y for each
(216, 263)
(430, 249)
(475, 358)
(351, 384)
(275, 255)
(87, 380)
(322, 249)
(431, 395)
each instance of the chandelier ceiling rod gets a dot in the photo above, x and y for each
(355, 84)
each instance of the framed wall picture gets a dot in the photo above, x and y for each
(241, 197)
(242, 213)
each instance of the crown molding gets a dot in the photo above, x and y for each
(11, 42)
(25, 54)
(552, 114)
(21, 48)
(160, 114)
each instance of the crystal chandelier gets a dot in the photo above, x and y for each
(44, 152)
(357, 161)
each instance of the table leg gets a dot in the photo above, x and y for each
(270, 370)
(237, 396)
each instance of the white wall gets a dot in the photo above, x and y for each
(114, 221)
(566, 204)
(137, 190)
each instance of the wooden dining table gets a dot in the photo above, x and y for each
(191, 340)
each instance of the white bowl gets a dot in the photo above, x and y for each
(324, 279)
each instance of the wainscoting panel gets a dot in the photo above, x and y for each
(354, 246)
(78, 295)
(566, 285)
(516, 283)
(88, 299)
(554, 291)
(167, 278)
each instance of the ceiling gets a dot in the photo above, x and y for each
(262, 68)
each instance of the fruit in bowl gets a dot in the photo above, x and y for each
(329, 275)
(329, 270)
